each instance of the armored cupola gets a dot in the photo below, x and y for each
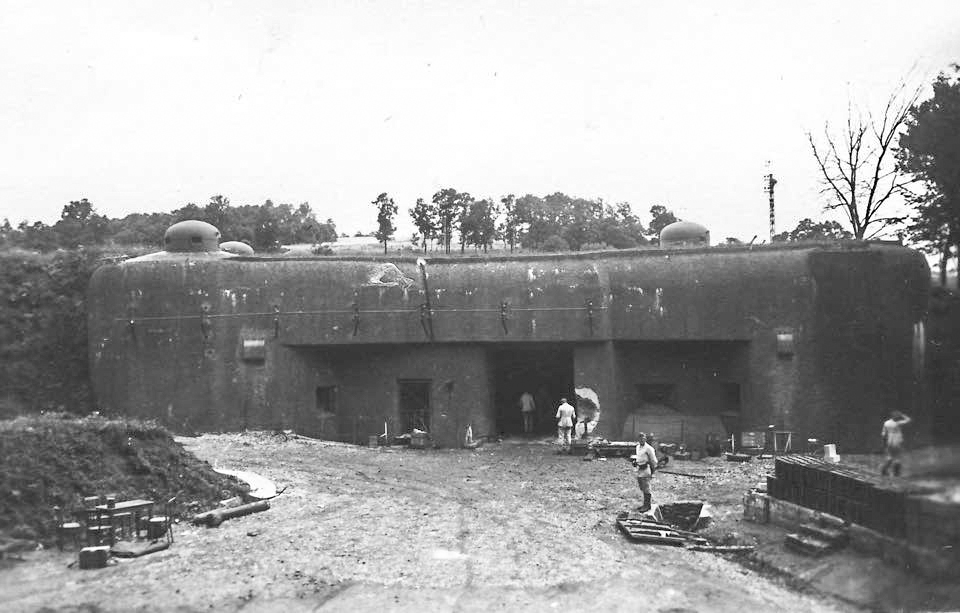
(237, 248)
(684, 234)
(191, 236)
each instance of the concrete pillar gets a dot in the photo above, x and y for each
(594, 376)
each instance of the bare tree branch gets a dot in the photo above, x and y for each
(856, 164)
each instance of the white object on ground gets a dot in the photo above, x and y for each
(830, 454)
(260, 487)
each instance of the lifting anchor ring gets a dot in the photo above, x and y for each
(276, 321)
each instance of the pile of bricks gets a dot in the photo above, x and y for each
(846, 492)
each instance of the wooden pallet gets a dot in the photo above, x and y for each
(656, 533)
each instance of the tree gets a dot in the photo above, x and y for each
(930, 151)
(424, 216)
(660, 218)
(620, 228)
(139, 228)
(555, 244)
(808, 230)
(511, 226)
(216, 212)
(552, 215)
(37, 236)
(480, 224)
(448, 203)
(857, 165)
(386, 210)
(187, 211)
(80, 225)
(462, 206)
(266, 230)
(583, 228)
(325, 232)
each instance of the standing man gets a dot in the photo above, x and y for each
(527, 408)
(565, 414)
(892, 435)
(646, 463)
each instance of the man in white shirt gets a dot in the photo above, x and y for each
(646, 462)
(892, 435)
(565, 414)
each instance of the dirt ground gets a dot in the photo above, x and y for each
(509, 526)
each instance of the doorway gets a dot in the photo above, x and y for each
(414, 404)
(546, 371)
(320, 420)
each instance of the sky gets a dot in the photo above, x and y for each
(146, 106)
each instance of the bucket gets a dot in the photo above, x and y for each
(374, 440)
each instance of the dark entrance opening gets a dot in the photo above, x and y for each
(546, 371)
(414, 408)
(319, 421)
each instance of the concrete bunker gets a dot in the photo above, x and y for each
(685, 342)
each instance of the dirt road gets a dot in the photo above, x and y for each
(509, 527)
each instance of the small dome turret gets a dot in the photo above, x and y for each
(237, 248)
(684, 234)
(191, 236)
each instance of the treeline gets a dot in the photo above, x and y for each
(556, 222)
(43, 330)
(264, 227)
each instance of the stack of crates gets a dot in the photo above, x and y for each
(842, 491)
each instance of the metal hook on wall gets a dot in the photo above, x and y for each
(356, 314)
(589, 307)
(426, 311)
(205, 321)
(504, 315)
(426, 320)
(276, 321)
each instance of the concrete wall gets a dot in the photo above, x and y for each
(167, 334)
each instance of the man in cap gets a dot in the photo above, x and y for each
(892, 435)
(646, 462)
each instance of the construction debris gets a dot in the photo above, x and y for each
(94, 557)
(679, 474)
(214, 518)
(650, 531)
(685, 515)
(652, 528)
(723, 548)
(126, 549)
(14, 547)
